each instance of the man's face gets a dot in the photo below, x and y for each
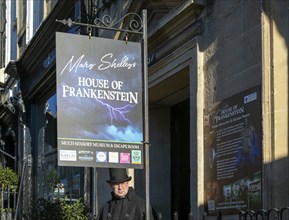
(120, 189)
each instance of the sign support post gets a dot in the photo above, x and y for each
(146, 118)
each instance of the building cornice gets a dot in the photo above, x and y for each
(186, 12)
(175, 29)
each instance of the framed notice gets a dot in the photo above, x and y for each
(99, 102)
(233, 154)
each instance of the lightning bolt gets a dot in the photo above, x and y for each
(115, 113)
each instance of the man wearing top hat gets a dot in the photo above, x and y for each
(124, 204)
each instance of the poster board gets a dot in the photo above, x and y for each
(233, 154)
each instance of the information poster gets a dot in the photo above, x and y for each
(99, 102)
(233, 156)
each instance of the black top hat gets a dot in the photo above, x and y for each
(118, 175)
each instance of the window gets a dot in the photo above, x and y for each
(69, 177)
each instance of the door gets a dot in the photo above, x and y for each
(180, 159)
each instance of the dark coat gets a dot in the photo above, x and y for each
(132, 207)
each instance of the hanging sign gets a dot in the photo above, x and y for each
(99, 102)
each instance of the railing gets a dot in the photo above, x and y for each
(262, 214)
(190, 216)
(8, 203)
(175, 216)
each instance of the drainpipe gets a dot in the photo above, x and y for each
(94, 192)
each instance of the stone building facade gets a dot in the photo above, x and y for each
(200, 53)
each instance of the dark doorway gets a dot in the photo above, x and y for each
(180, 158)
